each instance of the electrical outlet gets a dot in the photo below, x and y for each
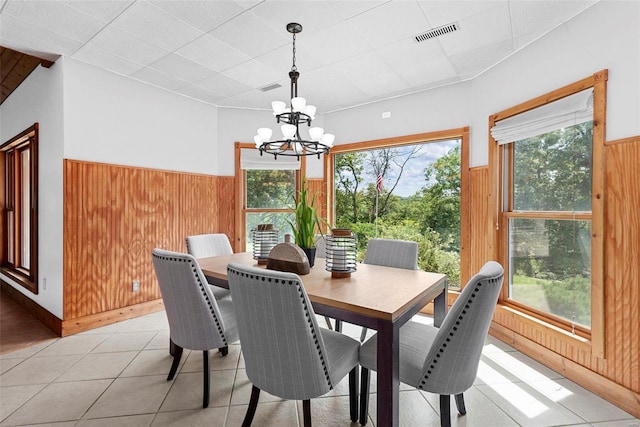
(136, 286)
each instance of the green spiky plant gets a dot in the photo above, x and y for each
(307, 222)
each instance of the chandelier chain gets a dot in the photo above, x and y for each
(293, 67)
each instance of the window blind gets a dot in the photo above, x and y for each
(568, 111)
(251, 159)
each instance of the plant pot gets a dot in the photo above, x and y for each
(311, 254)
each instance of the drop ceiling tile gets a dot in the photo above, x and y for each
(250, 35)
(104, 10)
(446, 12)
(349, 9)
(257, 100)
(334, 44)
(476, 31)
(182, 68)
(428, 72)
(382, 84)
(157, 78)
(407, 53)
(314, 16)
(55, 17)
(212, 53)
(128, 46)
(541, 16)
(23, 36)
(200, 93)
(363, 66)
(390, 22)
(224, 85)
(253, 74)
(247, 4)
(281, 60)
(471, 63)
(202, 14)
(156, 26)
(93, 55)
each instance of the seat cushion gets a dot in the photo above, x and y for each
(342, 353)
(415, 342)
(219, 292)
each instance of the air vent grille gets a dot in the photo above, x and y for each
(270, 87)
(437, 32)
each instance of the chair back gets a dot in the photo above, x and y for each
(452, 362)
(392, 253)
(193, 314)
(282, 346)
(321, 246)
(208, 245)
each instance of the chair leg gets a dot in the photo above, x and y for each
(326, 319)
(172, 347)
(253, 405)
(338, 327)
(363, 334)
(353, 394)
(462, 410)
(364, 395)
(224, 350)
(177, 355)
(206, 378)
(445, 410)
(306, 412)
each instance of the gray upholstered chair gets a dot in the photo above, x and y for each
(286, 354)
(196, 320)
(443, 360)
(207, 245)
(390, 253)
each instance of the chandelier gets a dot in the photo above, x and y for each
(292, 117)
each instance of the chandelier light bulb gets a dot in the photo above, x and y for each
(278, 107)
(257, 140)
(297, 147)
(298, 103)
(316, 133)
(310, 110)
(265, 133)
(288, 131)
(327, 139)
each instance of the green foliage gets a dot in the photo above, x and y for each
(270, 188)
(307, 222)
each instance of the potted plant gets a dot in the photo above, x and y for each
(307, 222)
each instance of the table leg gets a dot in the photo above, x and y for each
(440, 308)
(388, 374)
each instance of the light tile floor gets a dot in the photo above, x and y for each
(116, 376)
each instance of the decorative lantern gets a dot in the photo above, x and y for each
(264, 238)
(341, 252)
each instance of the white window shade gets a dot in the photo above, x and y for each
(251, 159)
(568, 111)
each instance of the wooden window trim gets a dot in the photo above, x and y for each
(28, 280)
(597, 81)
(241, 199)
(457, 133)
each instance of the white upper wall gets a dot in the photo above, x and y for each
(39, 99)
(607, 35)
(113, 119)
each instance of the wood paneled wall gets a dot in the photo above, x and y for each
(317, 186)
(480, 227)
(616, 376)
(115, 215)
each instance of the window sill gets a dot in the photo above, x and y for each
(19, 279)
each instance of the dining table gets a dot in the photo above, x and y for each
(373, 296)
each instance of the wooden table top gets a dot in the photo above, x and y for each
(372, 290)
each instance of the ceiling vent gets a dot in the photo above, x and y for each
(270, 87)
(437, 32)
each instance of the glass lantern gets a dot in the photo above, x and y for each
(264, 238)
(341, 252)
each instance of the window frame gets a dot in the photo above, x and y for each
(500, 218)
(11, 200)
(457, 133)
(241, 200)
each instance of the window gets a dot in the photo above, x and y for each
(548, 209)
(410, 190)
(547, 154)
(19, 158)
(267, 192)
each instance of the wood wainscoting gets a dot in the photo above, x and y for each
(113, 217)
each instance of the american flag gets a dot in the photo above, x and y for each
(379, 186)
